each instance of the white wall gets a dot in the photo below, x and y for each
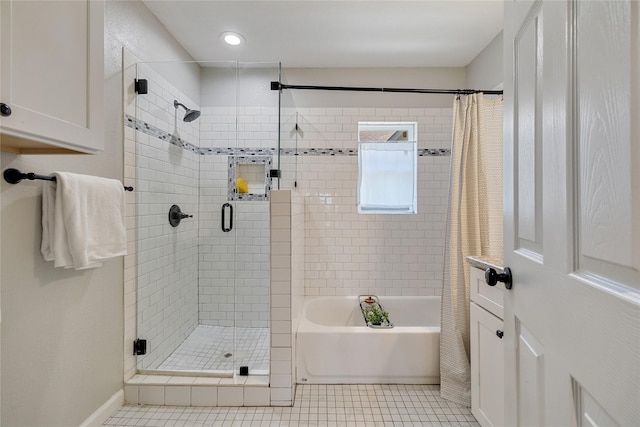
(419, 78)
(130, 24)
(62, 346)
(486, 69)
(247, 86)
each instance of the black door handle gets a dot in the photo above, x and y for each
(230, 206)
(492, 277)
(5, 110)
(499, 333)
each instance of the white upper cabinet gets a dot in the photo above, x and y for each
(52, 76)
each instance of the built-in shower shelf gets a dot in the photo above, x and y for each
(254, 171)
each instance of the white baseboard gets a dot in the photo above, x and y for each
(103, 413)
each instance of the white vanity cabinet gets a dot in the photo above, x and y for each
(487, 351)
(52, 76)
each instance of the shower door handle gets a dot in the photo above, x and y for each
(225, 229)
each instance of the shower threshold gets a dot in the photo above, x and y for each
(187, 373)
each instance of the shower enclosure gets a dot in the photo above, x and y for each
(206, 141)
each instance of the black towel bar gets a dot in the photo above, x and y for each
(14, 176)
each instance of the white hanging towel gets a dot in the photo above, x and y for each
(54, 245)
(83, 220)
(387, 177)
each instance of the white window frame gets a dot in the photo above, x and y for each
(410, 134)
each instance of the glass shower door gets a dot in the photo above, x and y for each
(250, 166)
(218, 232)
(185, 273)
(167, 176)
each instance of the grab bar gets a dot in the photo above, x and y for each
(230, 206)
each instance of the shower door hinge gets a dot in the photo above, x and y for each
(139, 347)
(140, 86)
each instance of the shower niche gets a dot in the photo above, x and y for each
(249, 177)
(202, 290)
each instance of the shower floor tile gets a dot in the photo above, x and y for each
(211, 348)
(317, 405)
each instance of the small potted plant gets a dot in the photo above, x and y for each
(375, 315)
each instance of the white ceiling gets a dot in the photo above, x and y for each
(361, 33)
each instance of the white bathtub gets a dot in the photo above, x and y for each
(333, 345)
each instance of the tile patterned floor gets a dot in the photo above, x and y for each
(317, 406)
(206, 346)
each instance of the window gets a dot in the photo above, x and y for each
(387, 167)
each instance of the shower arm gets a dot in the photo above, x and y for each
(177, 104)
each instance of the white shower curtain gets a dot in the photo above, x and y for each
(474, 227)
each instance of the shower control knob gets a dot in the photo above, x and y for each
(492, 277)
(5, 110)
(176, 215)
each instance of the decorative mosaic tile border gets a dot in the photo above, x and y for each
(232, 151)
(422, 152)
(234, 162)
(150, 130)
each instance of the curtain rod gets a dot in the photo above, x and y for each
(282, 86)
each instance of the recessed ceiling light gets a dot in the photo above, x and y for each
(234, 39)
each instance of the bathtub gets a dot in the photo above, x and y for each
(333, 345)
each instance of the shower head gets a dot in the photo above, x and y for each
(190, 115)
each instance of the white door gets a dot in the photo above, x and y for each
(572, 213)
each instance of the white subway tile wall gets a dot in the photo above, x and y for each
(298, 257)
(298, 236)
(225, 263)
(351, 254)
(157, 107)
(282, 369)
(347, 253)
(217, 249)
